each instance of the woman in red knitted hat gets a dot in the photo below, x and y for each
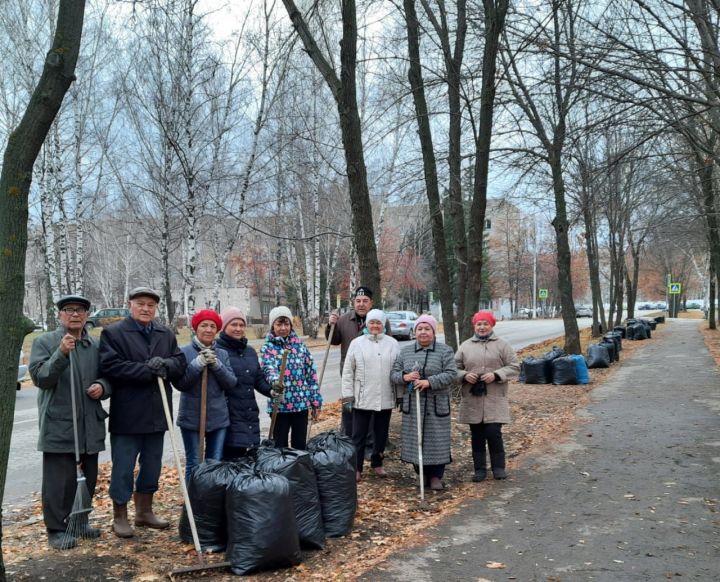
(201, 353)
(485, 364)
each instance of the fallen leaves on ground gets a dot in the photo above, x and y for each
(388, 518)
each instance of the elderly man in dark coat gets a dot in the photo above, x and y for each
(55, 356)
(133, 354)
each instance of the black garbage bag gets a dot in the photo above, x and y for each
(335, 472)
(616, 337)
(660, 319)
(652, 323)
(611, 348)
(640, 332)
(206, 490)
(262, 534)
(598, 356)
(555, 352)
(648, 328)
(621, 329)
(564, 370)
(535, 370)
(630, 331)
(297, 467)
(332, 440)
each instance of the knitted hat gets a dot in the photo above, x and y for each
(205, 314)
(376, 315)
(484, 315)
(230, 313)
(278, 312)
(429, 319)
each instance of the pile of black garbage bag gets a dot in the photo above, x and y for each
(262, 509)
(555, 367)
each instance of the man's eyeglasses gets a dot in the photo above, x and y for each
(74, 310)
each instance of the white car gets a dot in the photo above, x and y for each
(582, 311)
(22, 369)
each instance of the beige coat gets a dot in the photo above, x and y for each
(494, 355)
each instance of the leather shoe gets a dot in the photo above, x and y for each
(480, 475)
(499, 473)
(436, 484)
(380, 472)
(61, 540)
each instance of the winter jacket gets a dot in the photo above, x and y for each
(136, 406)
(50, 372)
(435, 363)
(220, 380)
(301, 387)
(493, 355)
(244, 429)
(349, 326)
(366, 374)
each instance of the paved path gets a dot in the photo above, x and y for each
(631, 495)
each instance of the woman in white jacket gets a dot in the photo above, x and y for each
(367, 390)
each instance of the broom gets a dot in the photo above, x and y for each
(77, 521)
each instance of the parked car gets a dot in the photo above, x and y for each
(527, 313)
(582, 311)
(402, 323)
(22, 369)
(103, 317)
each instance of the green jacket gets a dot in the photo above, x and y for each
(50, 372)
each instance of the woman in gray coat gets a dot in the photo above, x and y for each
(427, 366)
(485, 364)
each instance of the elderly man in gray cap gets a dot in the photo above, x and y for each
(55, 356)
(133, 354)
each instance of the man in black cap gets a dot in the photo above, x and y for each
(55, 356)
(134, 353)
(348, 326)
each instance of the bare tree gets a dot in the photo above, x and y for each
(22, 150)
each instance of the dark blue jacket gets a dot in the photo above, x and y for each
(244, 429)
(135, 405)
(220, 380)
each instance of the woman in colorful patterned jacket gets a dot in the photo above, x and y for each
(298, 392)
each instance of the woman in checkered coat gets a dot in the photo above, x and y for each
(428, 366)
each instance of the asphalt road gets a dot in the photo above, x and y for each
(25, 462)
(631, 494)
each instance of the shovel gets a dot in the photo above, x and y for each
(186, 498)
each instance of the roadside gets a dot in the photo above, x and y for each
(629, 494)
(387, 520)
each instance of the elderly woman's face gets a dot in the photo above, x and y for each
(282, 327)
(236, 328)
(483, 327)
(375, 326)
(206, 331)
(424, 334)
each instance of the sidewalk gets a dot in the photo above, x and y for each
(631, 495)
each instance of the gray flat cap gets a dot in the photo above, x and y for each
(73, 299)
(144, 292)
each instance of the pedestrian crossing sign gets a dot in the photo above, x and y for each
(675, 288)
(543, 293)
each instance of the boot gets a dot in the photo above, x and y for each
(144, 516)
(480, 475)
(120, 526)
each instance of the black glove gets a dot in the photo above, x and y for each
(479, 388)
(158, 366)
(398, 403)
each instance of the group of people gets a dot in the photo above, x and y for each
(138, 357)
(377, 376)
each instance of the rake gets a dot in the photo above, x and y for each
(77, 521)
